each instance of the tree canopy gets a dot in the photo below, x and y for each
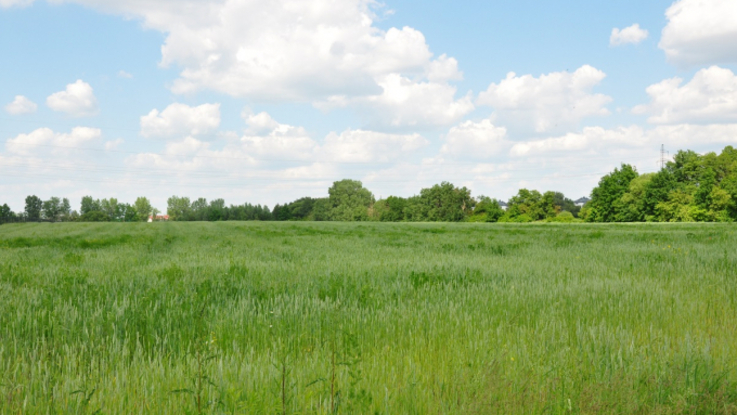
(691, 187)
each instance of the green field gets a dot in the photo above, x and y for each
(320, 318)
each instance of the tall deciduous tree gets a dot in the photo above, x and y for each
(52, 209)
(488, 209)
(446, 203)
(34, 205)
(66, 209)
(633, 201)
(89, 205)
(349, 200)
(143, 208)
(179, 208)
(216, 211)
(531, 205)
(606, 199)
(566, 204)
(112, 208)
(393, 210)
(6, 214)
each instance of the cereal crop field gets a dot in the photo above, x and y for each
(378, 318)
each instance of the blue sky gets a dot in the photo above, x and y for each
(264, 103)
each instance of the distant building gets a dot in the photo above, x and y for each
(582, 201)
(503, 205)
(158, 218)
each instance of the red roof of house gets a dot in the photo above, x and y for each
(164, 217)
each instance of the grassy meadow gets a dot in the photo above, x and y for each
(378, 318)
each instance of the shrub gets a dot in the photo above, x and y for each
(94, 216)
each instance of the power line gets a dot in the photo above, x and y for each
(253, 159)
(125, 169)
(269, 181)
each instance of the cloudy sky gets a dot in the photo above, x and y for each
(266, 101)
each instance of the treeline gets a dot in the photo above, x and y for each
(91, 210)
(111, 210)
(180, 208)
(691, 188)
(348, 200)
(53, 210)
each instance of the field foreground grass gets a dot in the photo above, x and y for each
(323, 318)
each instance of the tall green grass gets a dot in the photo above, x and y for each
(323, 318)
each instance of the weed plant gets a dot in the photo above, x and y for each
(340, 318)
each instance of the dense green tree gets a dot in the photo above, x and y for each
(349, 201)
(66, 209)
(606, 198)
(393, 209)
(446, 203)
(281, 213)
(301, 209)
(6, 214)
(112, 209)
(143, 208)
(530, 205)
(565, 204)
(198, 210)
(694, 187)
(729, 185)
(242, 212)
(322, 209)
(34, 205)
(487, 210)
(89, 205)
(216, 211)
(656, 191)
(179, 208)
(52, 209)
(632, 203)
(128, 213)
(415, 210)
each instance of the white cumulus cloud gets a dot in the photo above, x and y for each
(266, 139)
(370, 146)
(632, 34)
(590, 138)
(181, 119)
(77, 100)
(45, 138)
(15, 3)
(406, 103)
(21, 105)
(701, 32)
(710, 97)
(555, 101)
(632, 142)
(319, 51)
(475, 140)
(280, 49)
